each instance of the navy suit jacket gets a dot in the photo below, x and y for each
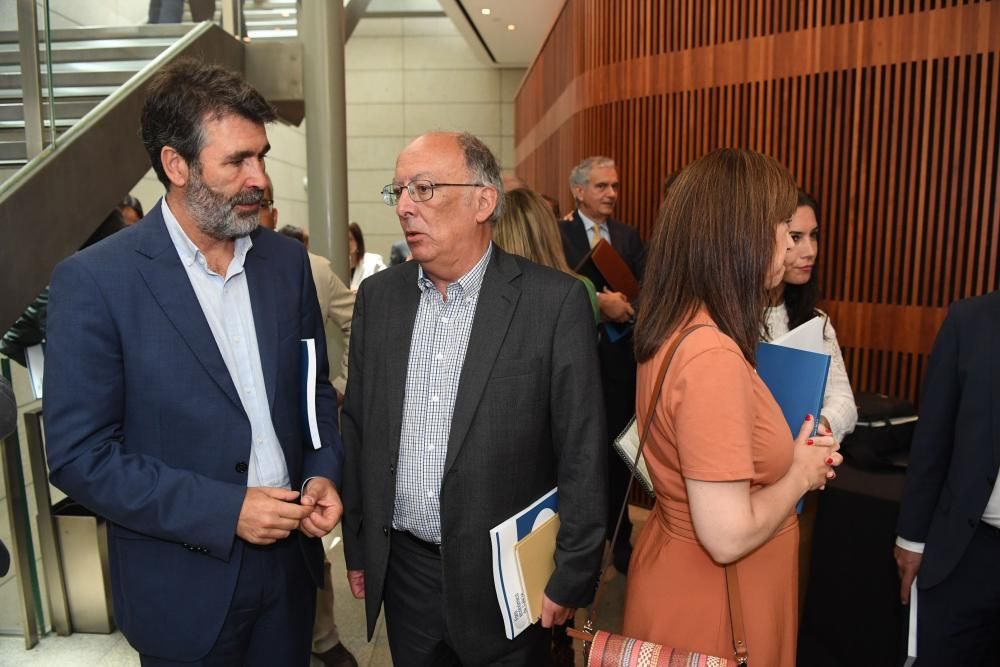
(144, 425)
(956, 448)
(624, 239)
(617, 358)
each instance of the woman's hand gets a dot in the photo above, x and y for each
(815, 456)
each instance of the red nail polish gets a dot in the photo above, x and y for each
(809, 441)
(809, 417)
(829, 461)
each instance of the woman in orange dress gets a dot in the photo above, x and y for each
(727, 473)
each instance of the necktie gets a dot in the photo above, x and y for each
(596, 237)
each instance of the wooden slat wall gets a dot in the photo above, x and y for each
(886, 110)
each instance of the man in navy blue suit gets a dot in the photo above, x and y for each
(174, 392)
(949, 521)
(595, 186)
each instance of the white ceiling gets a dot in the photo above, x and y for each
(510, 48)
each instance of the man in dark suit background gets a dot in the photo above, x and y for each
(949, 522)
(472, 377)
(173, 393)
(595, 186)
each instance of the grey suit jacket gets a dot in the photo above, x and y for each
(524, 422)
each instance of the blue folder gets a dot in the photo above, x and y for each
(797, 380)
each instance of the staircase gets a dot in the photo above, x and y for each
(88, 65)
(52, 203)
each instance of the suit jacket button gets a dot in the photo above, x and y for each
(385, 530)
(242, 467)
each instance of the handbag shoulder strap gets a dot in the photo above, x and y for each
(732, 581)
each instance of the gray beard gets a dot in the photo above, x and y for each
(217, 216)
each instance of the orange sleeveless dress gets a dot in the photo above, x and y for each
(715, 421)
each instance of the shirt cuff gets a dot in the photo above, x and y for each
(302, 490)
(915, 547)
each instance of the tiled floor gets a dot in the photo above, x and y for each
(89, 650)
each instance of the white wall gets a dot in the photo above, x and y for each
(406, 77)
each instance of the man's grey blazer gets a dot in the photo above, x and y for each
(527, 417)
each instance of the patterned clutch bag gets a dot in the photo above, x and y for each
(609, 650)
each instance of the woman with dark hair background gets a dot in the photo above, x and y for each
(363, 264)
(726, 471)
(794, 301)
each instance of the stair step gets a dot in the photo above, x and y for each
(115, 50)
(174, 30)
(65, 108)
(78, 74)
(61, 93)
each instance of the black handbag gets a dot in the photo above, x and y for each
(883, 434)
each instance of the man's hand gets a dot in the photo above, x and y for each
(269, 514)
(322, 499)
(907, 564)
(356, 578)
(553, 613)
(614, 306)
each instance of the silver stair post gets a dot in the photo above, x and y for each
(55, 584)
(31, 83)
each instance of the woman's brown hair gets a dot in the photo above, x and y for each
(713, 245)
(528, 228)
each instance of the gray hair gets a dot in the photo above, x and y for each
(581, 172)
(483, 168)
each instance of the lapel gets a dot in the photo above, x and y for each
(576, 233)
(168, 281)
(265, 320)
(614, 233)
(494, 311)
(401, 305)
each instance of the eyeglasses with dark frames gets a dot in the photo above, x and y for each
(419, 190)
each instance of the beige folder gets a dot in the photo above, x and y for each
(536, 561)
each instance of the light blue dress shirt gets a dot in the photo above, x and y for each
(225, 300)
(590, 226)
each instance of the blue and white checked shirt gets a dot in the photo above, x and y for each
(437, 354)
(226, 304)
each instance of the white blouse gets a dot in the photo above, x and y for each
(370, 264)
(838, 400)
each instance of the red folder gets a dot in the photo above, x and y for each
(604, 262)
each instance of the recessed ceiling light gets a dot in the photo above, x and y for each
(486, 11)
(511, 26)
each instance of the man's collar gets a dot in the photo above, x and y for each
(186, 248)
(470, 283)
(587, 222)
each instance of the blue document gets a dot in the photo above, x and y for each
(511, 596)
(797, 380)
